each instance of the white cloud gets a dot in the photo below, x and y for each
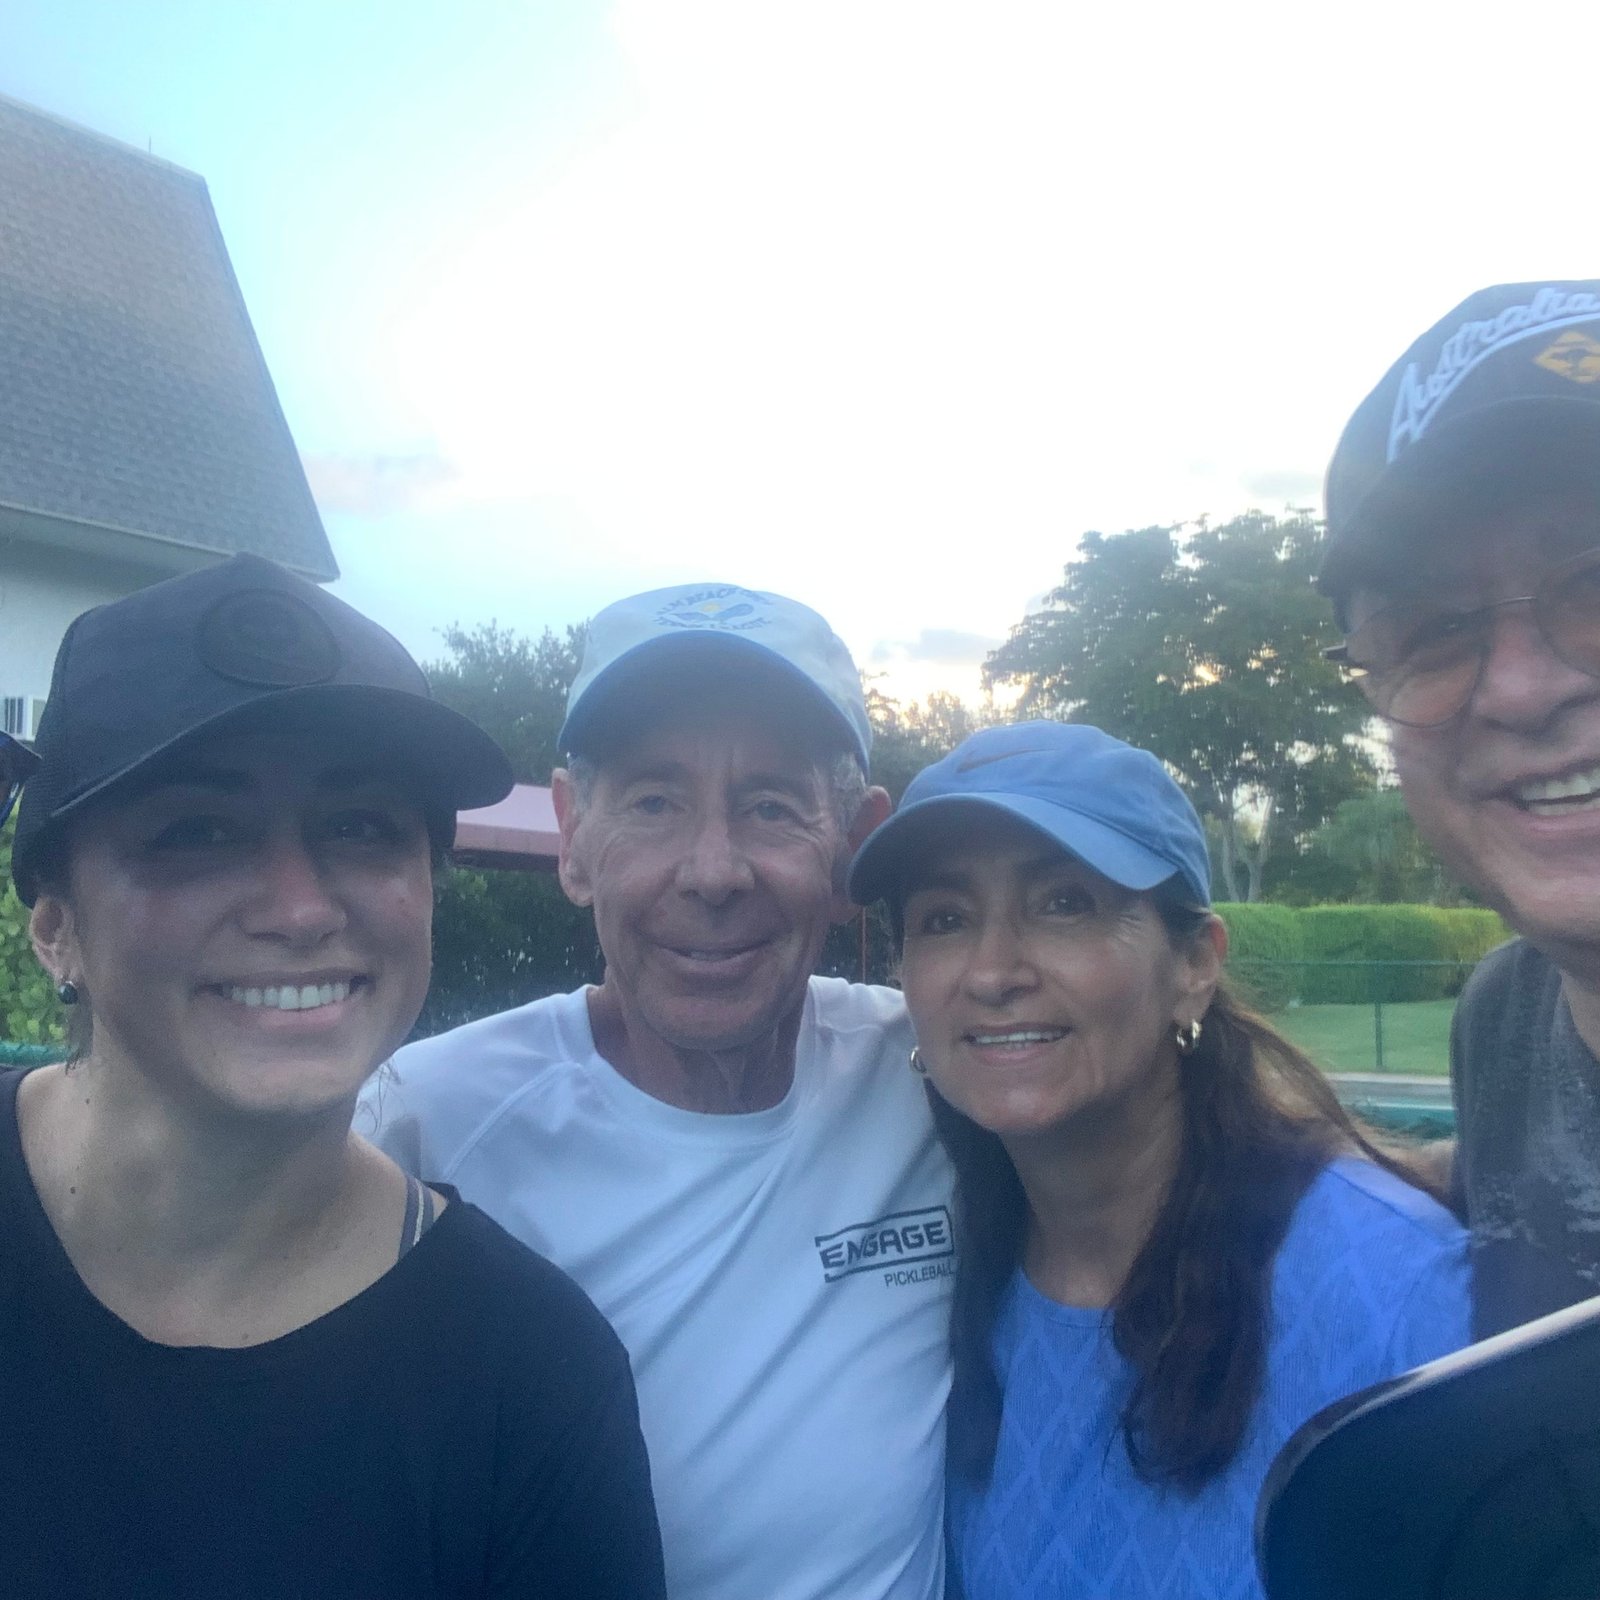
(1278, 486)
(938, 647)
(882, 304)
(376, 485)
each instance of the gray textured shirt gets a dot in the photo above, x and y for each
(1527, 1168)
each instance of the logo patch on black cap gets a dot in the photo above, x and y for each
(1574, 355)
(1418, 399)
(267, 639)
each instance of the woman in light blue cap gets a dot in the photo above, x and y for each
(1175, 1245)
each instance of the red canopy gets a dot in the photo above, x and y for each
(518, 832)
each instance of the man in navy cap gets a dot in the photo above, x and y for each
(731, 1156)
(1464, 563)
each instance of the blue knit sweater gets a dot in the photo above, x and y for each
(1370, 1281)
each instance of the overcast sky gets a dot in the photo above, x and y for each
(880, 304)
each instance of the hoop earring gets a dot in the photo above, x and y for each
(1187, 1035)
(67, 992)
(916, 1063)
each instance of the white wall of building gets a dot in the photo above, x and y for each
(41, 591)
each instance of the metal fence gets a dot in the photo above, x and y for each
(1380, 1029)
(1384, 1038)
(1361, 1016)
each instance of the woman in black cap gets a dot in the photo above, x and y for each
(241, 1353)
(1174, 1246)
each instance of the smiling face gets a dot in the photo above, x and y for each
(712, 854)
(252, 930)
(1040, 990)
(1508, 792)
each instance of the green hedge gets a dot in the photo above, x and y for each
(1397, 934)
(29, 1013)
(1353, 955)
(1353, 939)
(1268, 935)
(501, 939)
(1470, 935)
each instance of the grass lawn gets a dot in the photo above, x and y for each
(1416, 1036)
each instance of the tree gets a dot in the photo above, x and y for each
(29, 1013)
(1368, 853)
(513, 687)
(1206, 649)
(503, 938)
(907, 738)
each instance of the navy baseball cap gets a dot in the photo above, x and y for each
(647, 640)
(140, 678)
(1503, 391)
(1115, 808)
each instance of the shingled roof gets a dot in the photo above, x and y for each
(133, 395)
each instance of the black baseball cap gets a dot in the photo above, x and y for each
(1503, 392)
(239, 644)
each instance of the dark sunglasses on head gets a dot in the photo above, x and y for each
(1419, 662)
(16, 762)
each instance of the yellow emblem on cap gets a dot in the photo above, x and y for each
(1574, 355)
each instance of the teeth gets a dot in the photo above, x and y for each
(1019, 1036)
(289, 997)
(1559, 794)
(1560, 808)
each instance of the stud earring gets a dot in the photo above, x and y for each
(916, 1063)
(1187, 1035)
(67, 992)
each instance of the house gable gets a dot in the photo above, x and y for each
(138, 422)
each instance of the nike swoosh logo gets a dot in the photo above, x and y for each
(1008, 755)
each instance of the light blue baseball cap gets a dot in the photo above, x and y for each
(642, 641)
(1110, 805)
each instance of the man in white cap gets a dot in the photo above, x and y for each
(1464, 562)
(731, 1156)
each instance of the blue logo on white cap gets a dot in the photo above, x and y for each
(704, 622)
(726, 608)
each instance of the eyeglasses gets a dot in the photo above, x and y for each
(1419, 663)
(16, 763)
